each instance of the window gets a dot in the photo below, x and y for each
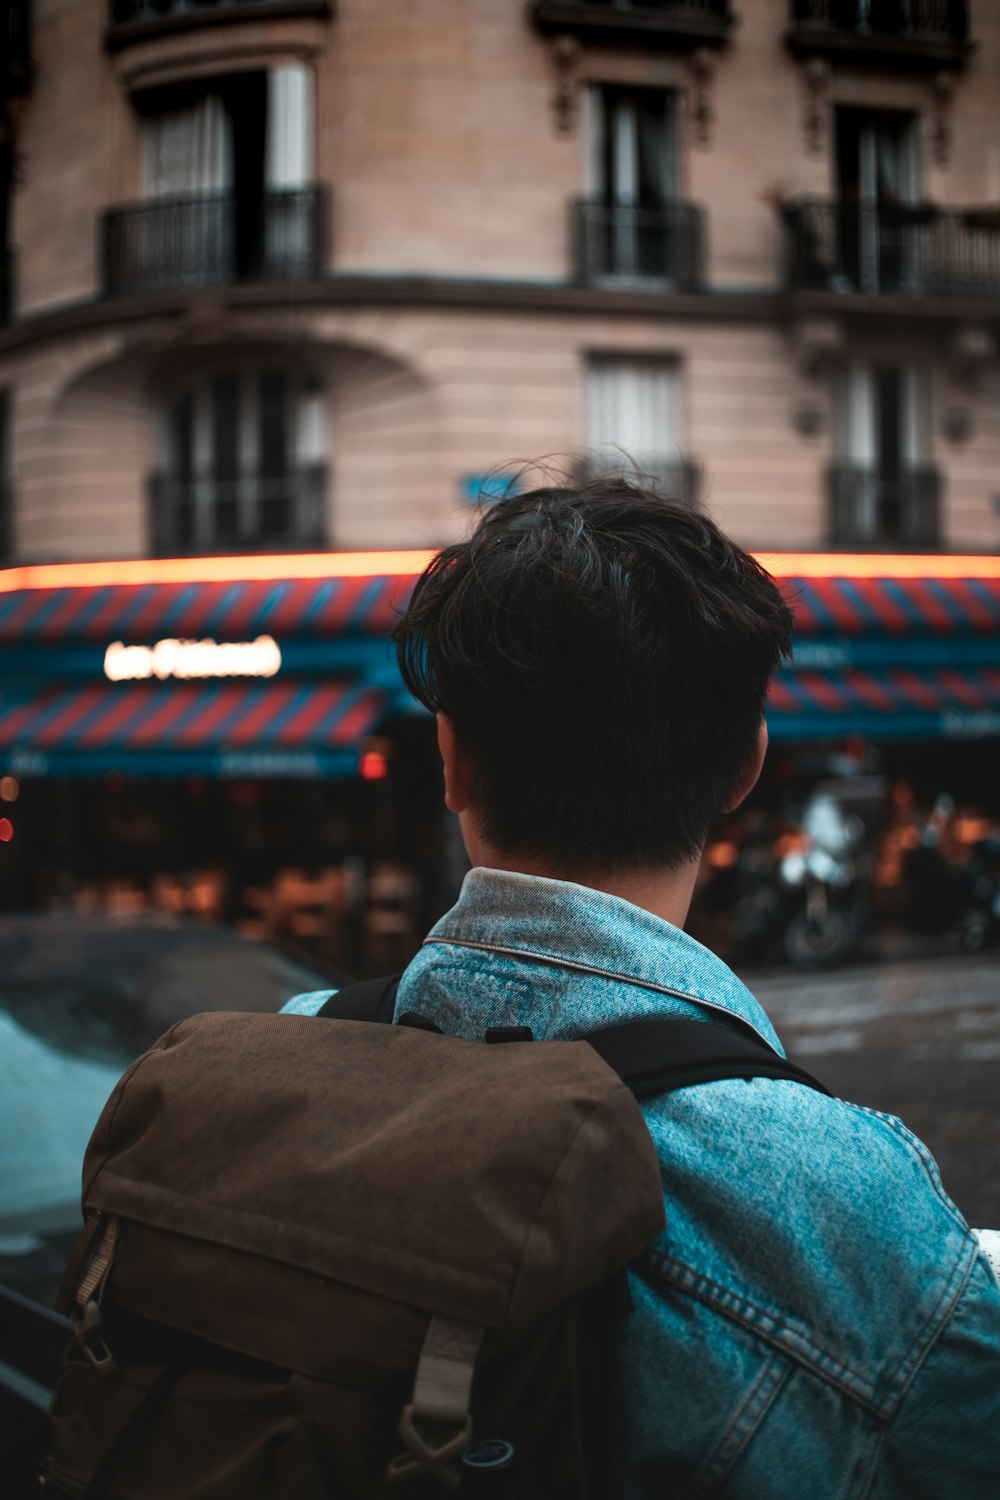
(243, 463)
(226, 180)
(633, 413)
(631, 226)
(878, 182)
(633, 180)
(633, 146)
(884, 489)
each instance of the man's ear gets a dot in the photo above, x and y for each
(457, 778)
(751, 772)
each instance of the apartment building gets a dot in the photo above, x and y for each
(297, 274)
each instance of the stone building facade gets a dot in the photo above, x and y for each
(294, 274)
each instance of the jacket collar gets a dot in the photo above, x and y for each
(591, 932)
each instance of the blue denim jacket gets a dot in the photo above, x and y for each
(816, 1321)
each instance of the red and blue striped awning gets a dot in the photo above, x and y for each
(176, 728)
(284, 608)
(886, 647)
(895, 607)
(310, 608)
(899, 703)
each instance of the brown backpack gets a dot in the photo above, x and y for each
(326, 1261)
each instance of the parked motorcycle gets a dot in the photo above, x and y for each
(827, 884)
(944, 895)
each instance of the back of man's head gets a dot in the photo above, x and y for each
(603, 655)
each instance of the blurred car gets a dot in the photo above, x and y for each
(80, 999)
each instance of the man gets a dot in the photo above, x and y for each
(817, 1319)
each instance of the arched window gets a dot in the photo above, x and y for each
(243, 464)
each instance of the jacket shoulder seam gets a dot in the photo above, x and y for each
(792, 1341)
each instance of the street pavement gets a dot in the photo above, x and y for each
(918, 1038)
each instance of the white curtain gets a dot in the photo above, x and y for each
(625, 172)
(856, 435)
(594, 127)
(634, 404)
(913, 418)
(310, 434)
(188, 151)
(289, 152)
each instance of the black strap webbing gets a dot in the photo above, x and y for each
(653, 1056)
(366, 1000)
(662, 1053)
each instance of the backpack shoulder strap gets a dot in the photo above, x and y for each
(367, 1000)
(661, 1053)
(654, 1055)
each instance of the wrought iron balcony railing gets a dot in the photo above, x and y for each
(672, 23)
(211, 515)
(615, 242)
(921, 251)
(927, 34)
(675, 478)
(135, 20)
(867, 510)
(212, 240)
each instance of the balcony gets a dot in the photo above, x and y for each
(644, 23)
(920, 35)
(920, 251)
(15, 52)
(868, 510)
(643, 248)
(243, 514)
(215, 240)
(136, 20)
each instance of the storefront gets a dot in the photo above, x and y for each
(231, 736)
(223, 736)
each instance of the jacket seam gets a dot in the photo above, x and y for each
(561, 961)
(881, 1433)
(764, 1325)
(930, 1329)
(747, 1422)
(941, 1316)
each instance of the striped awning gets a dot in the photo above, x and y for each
(894, 703)
(309, 608)
(216, 728)
(284, 608)
(894, 606)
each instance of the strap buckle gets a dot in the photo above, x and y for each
(426, 1456)
(89, 1331)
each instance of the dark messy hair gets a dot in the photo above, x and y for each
(604, 656)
